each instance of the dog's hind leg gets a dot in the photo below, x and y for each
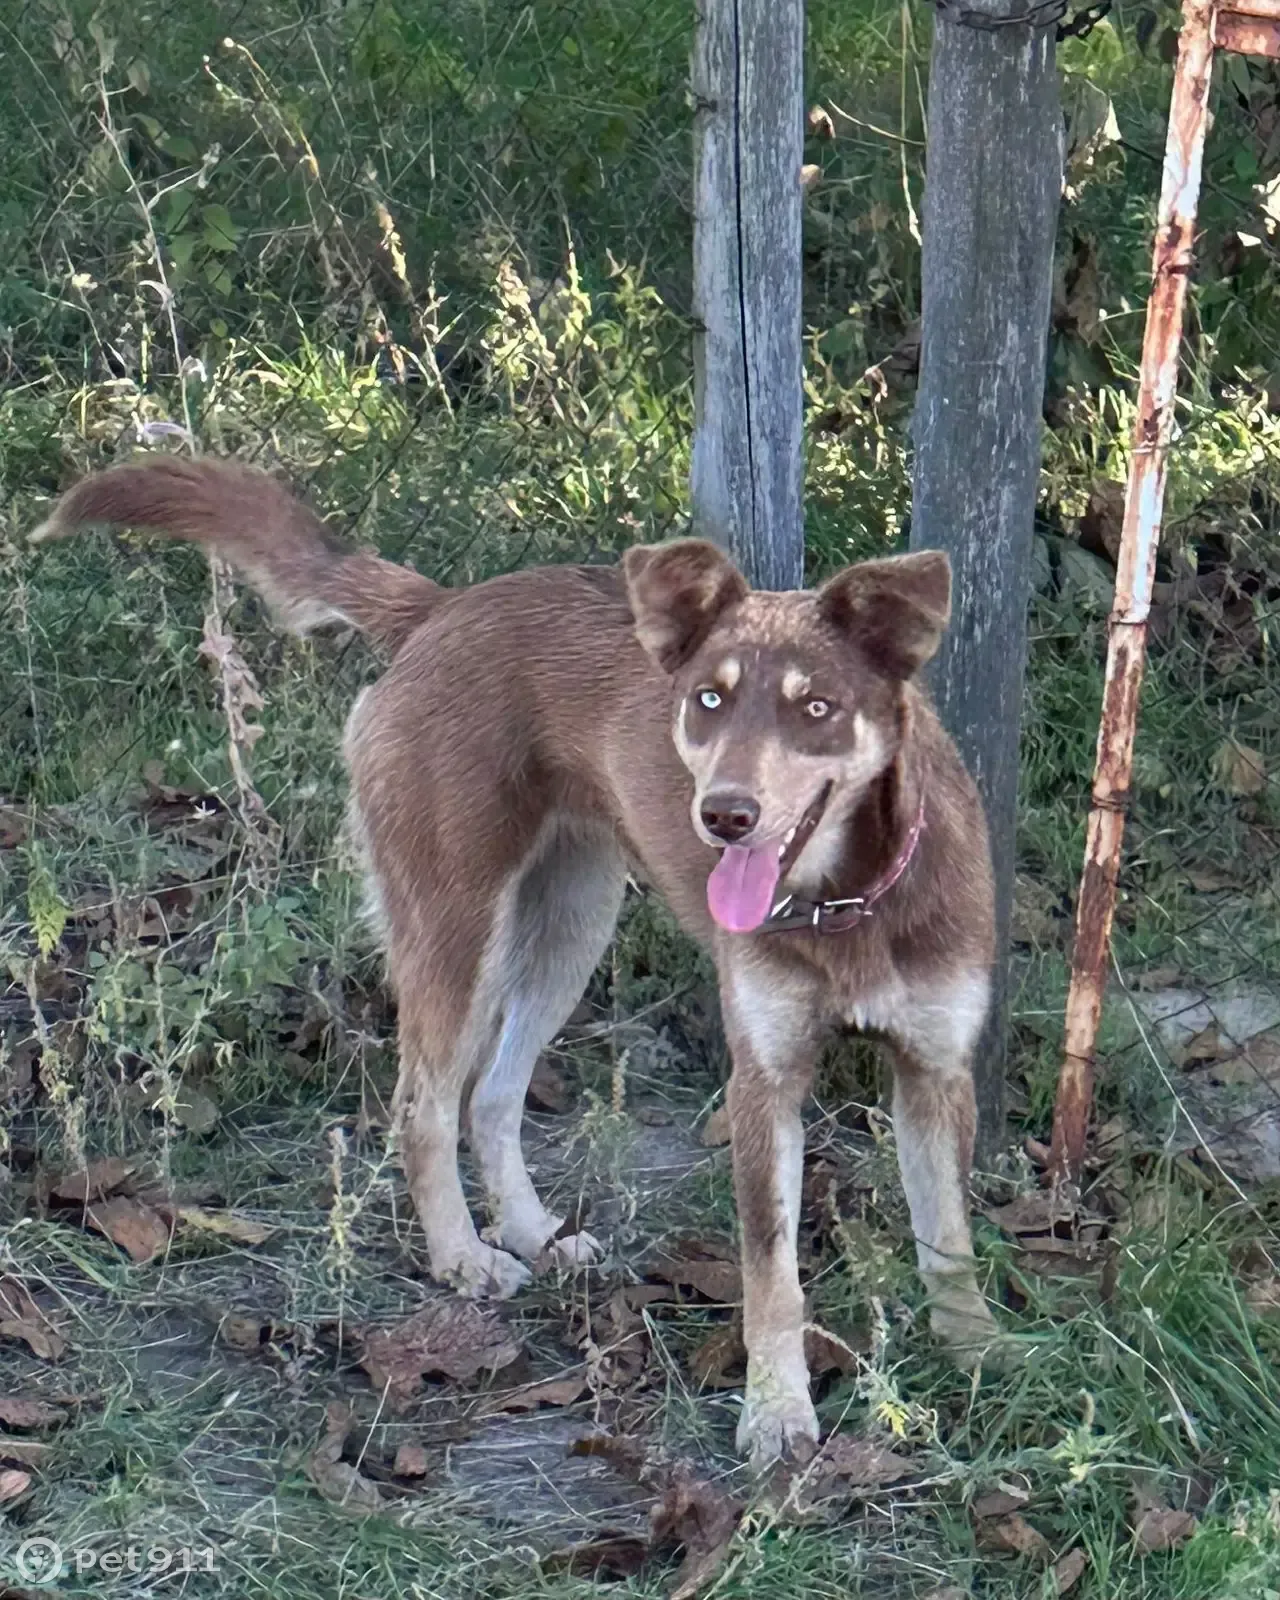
(561, 915)
(428, 1104)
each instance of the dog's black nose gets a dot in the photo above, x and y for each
(729, 817)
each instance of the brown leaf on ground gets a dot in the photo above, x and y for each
(16, 1411)
(337, 1480)
(825, 1353)
(624, 1453)
(195, 1109)
(1207, 1045)
(1037, 1212)
(847, 1468)
(613, 1557)
(13, 1483)
(691, 1513)
(448, 1338)
(716, 1129)
(1157, 978)
(13, 827)
(97, 1181)
(22, 1318)
(999, 1503)
(135, 1227)
(616, 1341)
(1240, 770)
(708, 1266)
(410, 1462)
(550, 1392)
(548, 1090)
(719, 1362)
(1069, 1570)
(1263, 1296)
(1159, 1527)
(26, 1452)
(701, 1519)
(244, 1333)
(228, 1224)
(1015, 1535)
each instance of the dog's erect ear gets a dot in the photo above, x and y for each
(677, 591)
(893, 610)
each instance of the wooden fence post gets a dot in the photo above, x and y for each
(994, 177)
(746, 479)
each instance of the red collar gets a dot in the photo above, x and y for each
(838, 916)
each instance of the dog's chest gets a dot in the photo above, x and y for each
(875, 1009)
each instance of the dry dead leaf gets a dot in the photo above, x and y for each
(13, 828)
(1239, 769)
(1038, 1212)
(1068, 1571)
(825, 1353)
(228, 1224)
(16, 1411)
(1257, 1062)
(701, 1519)
(195, 1109)
(847, 1466)
(22, 1318)
(708, 1266)
(1264, 1296)
(97, 1181)
(719, 1361)
(1157, 978)
(1015, 1535)
(1000, 1502)
(449, 1337)
(717, 1129)
(410, 1462)
(548, 1090)
(13, 1483)
(243, 1333)
(337, 1480)
(550, 1392)
(1207, 1045)
(1210, 880)
(26, 1452)
(614, 1557)
(1160, 1527)
(135, 1227)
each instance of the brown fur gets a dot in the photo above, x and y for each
(538, 736)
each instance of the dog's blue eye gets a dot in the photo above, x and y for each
(709, 700)
(817, 708)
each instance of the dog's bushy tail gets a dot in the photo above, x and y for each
(306, 575)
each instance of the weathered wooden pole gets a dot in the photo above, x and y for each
(747, 470)
(993, 181)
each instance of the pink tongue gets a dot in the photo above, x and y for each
(740, 891)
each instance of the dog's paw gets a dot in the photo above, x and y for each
(963, 1324)
(777, 1426)
(574, 1250)
(487, 1274)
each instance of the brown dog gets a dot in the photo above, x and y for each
(768, 761)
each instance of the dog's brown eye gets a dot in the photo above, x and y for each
(709, 700)
(817, 708)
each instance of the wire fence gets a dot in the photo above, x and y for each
(435, 263)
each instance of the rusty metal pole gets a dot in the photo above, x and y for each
(1127, 628)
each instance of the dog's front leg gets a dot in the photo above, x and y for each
(772, 1026)
(933, 1119)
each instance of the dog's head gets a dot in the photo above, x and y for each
(787, 706)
